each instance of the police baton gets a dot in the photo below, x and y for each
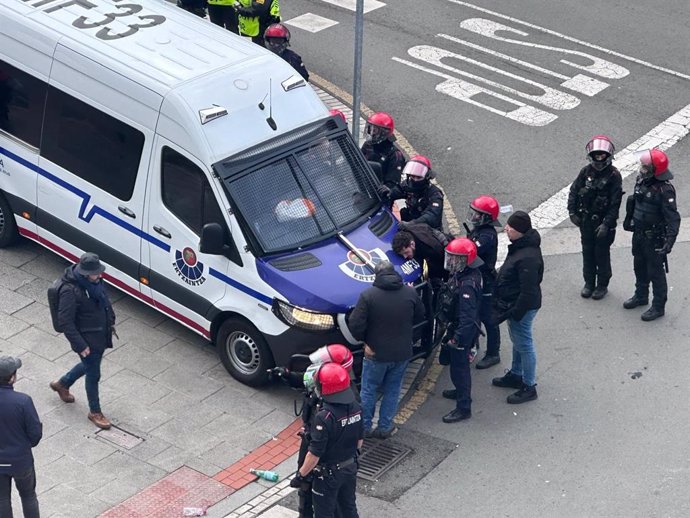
(666, 262)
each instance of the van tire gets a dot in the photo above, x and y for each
(244, 352)
(8, 225)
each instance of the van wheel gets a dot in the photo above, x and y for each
(8, 225)
(244, 352)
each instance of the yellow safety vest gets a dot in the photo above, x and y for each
(249, 26)
(220, 2)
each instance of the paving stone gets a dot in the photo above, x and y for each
(183, 434)
(131, 384)
(144, 417)
(11, 301)
(45, 400)
(10, 326)
(13, 278)
(276, 420)
(170, 459)
(84, 448)
(227, 425)
(47, 266)
(173, 328)
(224, 454)
(140, 334)
(136, 309)
(139, 360)
(21, 253)
(44, 456)
(79, 476)
(36, 289)
(37, 315)
(67, 501)
(149, 448)
(11, 349)
(194, 357)
(37, 368)
(195, 386)
(235, 402)
(41, 343)
(184, 407)
(133, 475)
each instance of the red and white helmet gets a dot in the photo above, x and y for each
(337, 353)
(418, 168)
(337, 113)
(600, 146)
(653, 162)
(483, 210)
(379, 127)
(460, 253)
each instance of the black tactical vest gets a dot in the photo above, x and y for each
(647, 213)
(593, 196)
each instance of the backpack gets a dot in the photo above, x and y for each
(54, 302)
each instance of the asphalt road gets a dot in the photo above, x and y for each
(475, 150)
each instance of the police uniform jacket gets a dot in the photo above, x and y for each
(389, 156)
(486, 239)
(295, 61)
(425, 206)
(337, 430)
(518, 285)
(20, 430)
(469, 292)
(596, 193)
(655, 208)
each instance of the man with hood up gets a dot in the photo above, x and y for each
(384, 319)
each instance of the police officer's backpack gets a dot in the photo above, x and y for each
(54, 301)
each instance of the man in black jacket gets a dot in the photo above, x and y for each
(380, 147)
(424, 244)
(20, 430)
(384, 318)
(593, 204)
(517, 298)
(87, 318)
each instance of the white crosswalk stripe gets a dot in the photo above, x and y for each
(310, 22)
(279, 511)
(369, 5)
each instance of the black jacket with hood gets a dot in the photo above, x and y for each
(518, 285)
(384, 317)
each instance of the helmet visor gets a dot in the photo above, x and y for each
(375, 134)
(415, 170)
(277, 45)
(476, 218)
(599, 144)
(321, 355)
(644, 158)
(454, 263)
(309, 377)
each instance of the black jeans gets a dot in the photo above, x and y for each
(649, 267)
(26, 486)
(225, 16)
(336, 490)
(596, 255)
(460, 376)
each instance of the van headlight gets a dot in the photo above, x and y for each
(298, 317)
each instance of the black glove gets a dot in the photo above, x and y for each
(384, 191)
(628, 224)
(602, 231)
(297, 481)
(665, 249)
(278, 372)
(577, 221)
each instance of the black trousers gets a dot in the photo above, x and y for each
(596, 255)
(305, 504)
(460, 376)
(225, 16)
(336, 490)
(487, 317)
(649, 267)
(26, 486)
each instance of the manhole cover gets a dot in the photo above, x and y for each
(378, 457)
(119, 437)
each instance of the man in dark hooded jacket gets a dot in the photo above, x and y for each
(517, 298)
(87, 319)
(384, 318)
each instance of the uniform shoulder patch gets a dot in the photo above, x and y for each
(465, 295)
(671, 200)
(319, 427)
(435, 204)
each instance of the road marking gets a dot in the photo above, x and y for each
(554, 211)
(579, 83)
(311, 22)
(369, 5)
(574, 40)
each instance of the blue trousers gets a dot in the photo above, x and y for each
(386, 377)
(91, 368)
(524, 353)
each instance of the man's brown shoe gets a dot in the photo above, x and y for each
(62, 391)
(99, 420)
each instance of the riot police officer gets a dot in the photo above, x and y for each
(593, 203)
(380, 147)
(423, 200)
(652, 216)
(254, 16)
(459, 302)
(482, 218)
(336, 438)
(277, 40)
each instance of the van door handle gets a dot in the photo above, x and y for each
(126, 211)
(162, 231)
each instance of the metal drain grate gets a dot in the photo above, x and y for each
(119, 437)
(378, 457)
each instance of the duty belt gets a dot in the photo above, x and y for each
(337, 465)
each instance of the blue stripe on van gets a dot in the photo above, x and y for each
(130, 228)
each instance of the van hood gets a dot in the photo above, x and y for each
(328, 277)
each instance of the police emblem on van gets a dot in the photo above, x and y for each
(354, 267)
(188, 267)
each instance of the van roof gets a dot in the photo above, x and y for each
(159, 44)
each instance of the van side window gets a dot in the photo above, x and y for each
(22, 99)
(91, 144)
(187, 193)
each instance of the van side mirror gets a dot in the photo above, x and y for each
(212, 239)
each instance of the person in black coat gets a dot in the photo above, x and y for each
(383, 319)
(380, 148)
(517, 298)
(20, 430)
(87, 318)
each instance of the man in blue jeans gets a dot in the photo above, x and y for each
(20, 430)
(384, 318)
(87, 319)
(517, 298)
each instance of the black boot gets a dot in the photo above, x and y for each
(599, 292)
(457, 415)
(510, 380)
(450, 394)
(652, 313)
(635, 301)
(488, 361)
(586, 291)
(525, 394)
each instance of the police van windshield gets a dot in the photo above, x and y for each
(304, 195)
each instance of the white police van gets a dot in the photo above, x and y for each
(203, 170)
